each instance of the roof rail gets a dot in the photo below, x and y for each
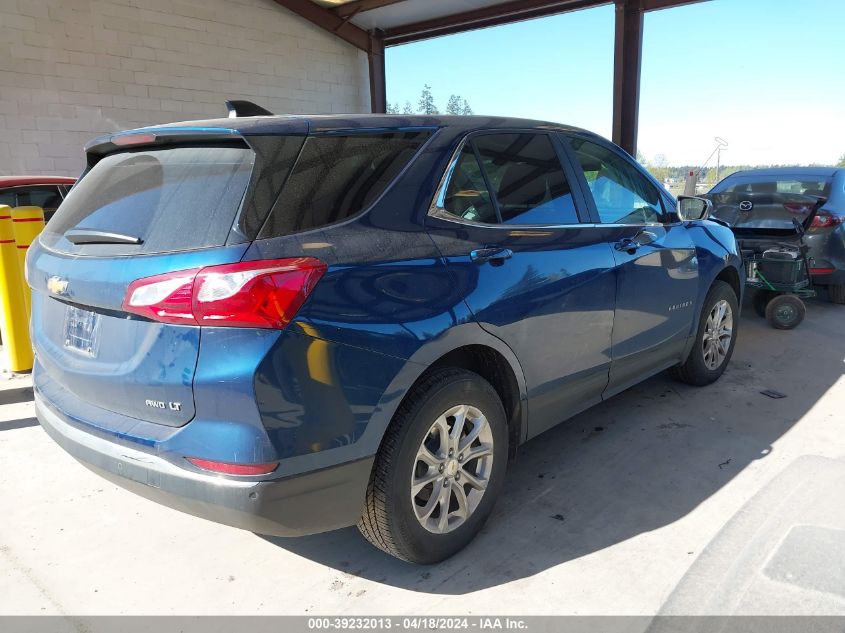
(245, 108)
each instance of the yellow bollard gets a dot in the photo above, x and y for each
(27, 223)
(13, 318)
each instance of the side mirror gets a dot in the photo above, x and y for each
(693, 208)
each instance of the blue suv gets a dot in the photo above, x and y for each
(295, 324)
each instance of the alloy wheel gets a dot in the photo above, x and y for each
(718, 332)
(452, 469)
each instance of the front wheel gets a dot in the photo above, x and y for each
(439, 470)
(715, 339)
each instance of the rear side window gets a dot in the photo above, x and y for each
(522, 170)
(338, 176)
(466, 195)
(527, 179)
(173, 199)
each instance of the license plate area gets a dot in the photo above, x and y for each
(82, 331)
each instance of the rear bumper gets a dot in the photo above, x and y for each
(313, 502)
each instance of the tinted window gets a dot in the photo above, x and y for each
(527, 179)
(622, 194)
(47, 197)
(336, 177)
(173, 199)
(466, 194)
(523, 170)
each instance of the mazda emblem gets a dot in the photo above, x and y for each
(746, 205)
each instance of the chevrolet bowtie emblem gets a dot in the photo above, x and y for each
(57, 285)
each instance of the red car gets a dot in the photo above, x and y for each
(46, 192)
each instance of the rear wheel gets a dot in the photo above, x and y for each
(439, 470)
(836, 292)
(714, 342)
(785, 312)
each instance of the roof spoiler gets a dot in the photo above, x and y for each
(245, 108)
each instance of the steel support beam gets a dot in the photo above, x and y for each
(327, 20)
(372, 43)
(378, 84)
(627, 60)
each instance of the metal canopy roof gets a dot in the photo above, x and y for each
(404, 21)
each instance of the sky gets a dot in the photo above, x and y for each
(768, 76)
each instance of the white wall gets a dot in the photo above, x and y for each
(73, 69)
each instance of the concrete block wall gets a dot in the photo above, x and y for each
(73, 69)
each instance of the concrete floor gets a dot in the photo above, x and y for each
(666, 499)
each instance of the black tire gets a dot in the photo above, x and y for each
(785, 312)
(693, 370)
(389, 521)
(760, 299)
(836, 292)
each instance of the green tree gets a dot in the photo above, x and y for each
(458, 105)
(659, 167)
(454, 105)
(408, 109)
(426, 103)
(841, 162)
(392, 108)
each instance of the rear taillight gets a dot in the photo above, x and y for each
(165, 298)
(263, 294)
(825, 220)
(226, 468)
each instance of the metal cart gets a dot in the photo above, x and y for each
(778, 269)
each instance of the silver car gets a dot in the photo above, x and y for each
(772, 198)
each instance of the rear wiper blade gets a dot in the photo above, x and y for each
(93, 236)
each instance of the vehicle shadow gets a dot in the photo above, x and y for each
(16, 396)
(640, 461)
(23, 423)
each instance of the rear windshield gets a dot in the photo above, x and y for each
(338, 176)
(808, 185)
(172, 199)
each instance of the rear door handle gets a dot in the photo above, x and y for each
(492, 254)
